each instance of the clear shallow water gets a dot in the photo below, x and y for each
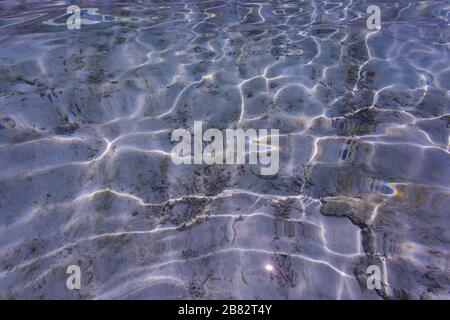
(86, 117)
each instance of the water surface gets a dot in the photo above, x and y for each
(86, 176)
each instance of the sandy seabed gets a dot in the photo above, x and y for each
(86, 176)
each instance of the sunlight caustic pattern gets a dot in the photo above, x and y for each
(86, 117)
